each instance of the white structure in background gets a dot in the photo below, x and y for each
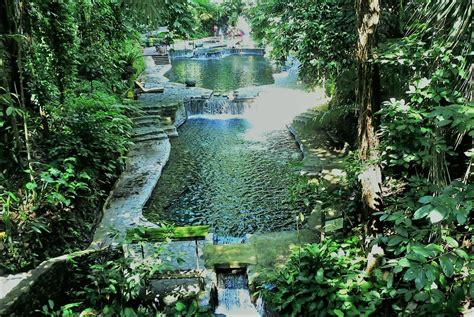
(243, 25)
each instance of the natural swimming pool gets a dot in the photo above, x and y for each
(231, 172)
(223, 74)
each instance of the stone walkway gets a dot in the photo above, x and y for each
(160, 115)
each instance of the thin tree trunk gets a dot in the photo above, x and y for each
(7, 26)
(368, 14)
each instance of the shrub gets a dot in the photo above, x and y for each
(95, 130)
(322, 279)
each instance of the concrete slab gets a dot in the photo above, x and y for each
(181, 256)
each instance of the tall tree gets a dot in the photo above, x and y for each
(368, 89)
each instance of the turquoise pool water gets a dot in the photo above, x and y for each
(223, 74)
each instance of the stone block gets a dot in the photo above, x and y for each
(169, 291)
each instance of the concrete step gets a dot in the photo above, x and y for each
(170, 131)
(147, 122)
(161, 59)
(150, 107)
(149, 130)
(145, 118)
(154, 137)
(306, 115)
(313, 111)
(154, 112)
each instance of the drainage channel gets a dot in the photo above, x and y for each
(233, 295)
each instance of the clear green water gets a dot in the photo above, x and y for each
(223, 74)
(225, 174)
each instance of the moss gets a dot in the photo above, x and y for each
(262, 250)
(160, 234)
(229, 255)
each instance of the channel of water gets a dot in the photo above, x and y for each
(230, 168)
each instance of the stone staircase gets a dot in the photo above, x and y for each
(306, 118)
(161, 59)
(154, 123)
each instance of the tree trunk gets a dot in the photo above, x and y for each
(368, 14)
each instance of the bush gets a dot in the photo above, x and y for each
(85, 150)
(322, 279)
(96, 131)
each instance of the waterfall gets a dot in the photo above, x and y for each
(234, 296)
(215, 105)
(214, 52)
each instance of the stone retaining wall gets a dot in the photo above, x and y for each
(43, 283)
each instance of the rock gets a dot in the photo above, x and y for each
(190, 83)
(171, 290)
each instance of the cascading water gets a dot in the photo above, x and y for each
(216, 105)
(234, 296)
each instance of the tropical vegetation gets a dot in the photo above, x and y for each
(400, 77)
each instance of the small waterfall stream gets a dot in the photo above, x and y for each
(216, 105)
(234, 296)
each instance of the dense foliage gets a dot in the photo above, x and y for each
(65, 128)
(320, 280)
(425, 126)
(185, 19)
(66, 67)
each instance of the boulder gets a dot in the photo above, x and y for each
(190, 83)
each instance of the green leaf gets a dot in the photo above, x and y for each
(462, 253)
(395, 240)
(436, 215)
(338, 313)
(9, 111)
(420, 280)
(320, 275)
(179, 306)
(421, 250)
(129, 312)
(443, 123)
(404, 262)
(430, 272)
(425, 199)
(446, 265)
(450, 241)
(421, 297)
(422, 212)
(31, 185)
(410, 274)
